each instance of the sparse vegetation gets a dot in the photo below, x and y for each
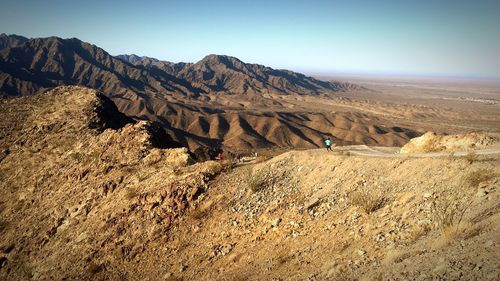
(283, 256)
(200, 212)
(450, 155)
(471, 157)
(369, 200)
(396, 256)
(131, 193)
(94, 268)
(77, 156)
(129, 206)
(448, 210)
(3, 225)
(475, 178)
(255, 180)
(217, 167)
(418, 232)
(451, 233)
(344, 152)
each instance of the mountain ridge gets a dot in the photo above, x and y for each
(226, 73)
(218, 100)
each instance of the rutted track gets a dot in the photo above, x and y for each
(393, 152)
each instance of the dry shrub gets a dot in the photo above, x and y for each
(397, 256)
(3, 225)
(227, 165)
(23, 266)
(215, 168)
(369, 200)
(450, 155)
(452, 233)
(266, 154)
(433, 146)
(471, 157)
(377, 276)
(342, 246)
(473, 179)
(340, 273)
(283, 256)
(131, 193)
(174, 278)
(344, 152)
(448, 210)
(77, 156)
(94, 268)
(200, 213)
(418, 232)
(255, 181)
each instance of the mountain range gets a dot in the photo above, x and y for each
(30, 65)
(218, 100)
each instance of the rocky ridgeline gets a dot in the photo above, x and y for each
(77, 174)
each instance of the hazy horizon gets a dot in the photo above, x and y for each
(428, 38)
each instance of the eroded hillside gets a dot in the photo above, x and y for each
(218, 101)
(81, 183)
(86, 194)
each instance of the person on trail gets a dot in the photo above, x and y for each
(328, 144)
(219, 155)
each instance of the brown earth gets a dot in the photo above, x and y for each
(84, 194)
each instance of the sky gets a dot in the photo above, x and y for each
(401, 37)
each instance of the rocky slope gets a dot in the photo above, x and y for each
(86, 194)
(314, 215)
(81, 184)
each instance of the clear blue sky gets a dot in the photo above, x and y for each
(444, 37)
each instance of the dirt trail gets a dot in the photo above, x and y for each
(393, 152)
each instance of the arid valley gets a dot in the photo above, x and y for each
(116, 166)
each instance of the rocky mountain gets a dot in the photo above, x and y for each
(30, 65)
(217, 73)
(42, 63)
(219, 100)
(11, 40)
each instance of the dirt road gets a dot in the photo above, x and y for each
(393, 152)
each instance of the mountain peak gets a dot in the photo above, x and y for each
(11, 40)
(133, 58)
(220, 59)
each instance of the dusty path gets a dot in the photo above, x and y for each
(388, 152)
(377, 151)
